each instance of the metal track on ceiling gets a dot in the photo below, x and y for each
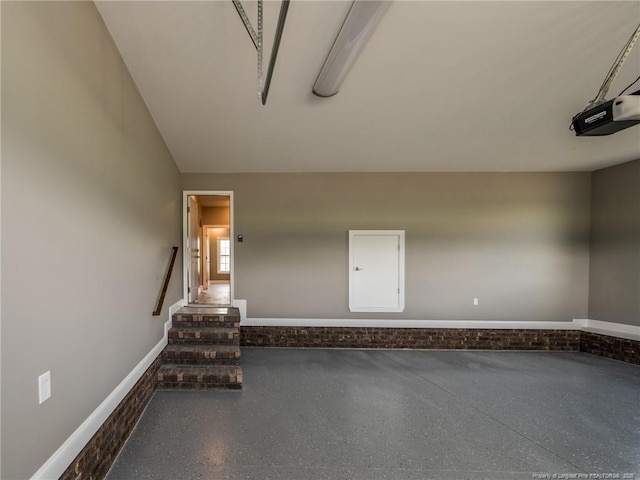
(256, 38)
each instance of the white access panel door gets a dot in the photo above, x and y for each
(376, 270)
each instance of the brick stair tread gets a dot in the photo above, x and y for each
(200, 376)
(199, 348)
(196, 316)
(208, 311)
(205, 321)
(180, 323)
(221, 330)
(207, 335)
(201, 354)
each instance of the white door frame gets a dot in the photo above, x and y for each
(191, 241)
(352, 269)
(185, 257)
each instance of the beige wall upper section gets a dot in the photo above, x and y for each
(82, 161)
(517, 241)
(614, 287)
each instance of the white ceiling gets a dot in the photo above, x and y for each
(442, 86)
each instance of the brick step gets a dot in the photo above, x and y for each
(206, 323)
(200, 377)
(206, 317)
(201, 354)
(204, 335)
(203, 350)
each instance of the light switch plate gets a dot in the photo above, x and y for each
(44, 387)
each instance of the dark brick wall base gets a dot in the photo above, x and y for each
(427, 338)
(610, 347)
(442, 338)
(95, 459)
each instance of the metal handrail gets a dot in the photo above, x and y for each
(165, 284)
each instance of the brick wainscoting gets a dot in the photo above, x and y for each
(610, 347)
(442, 338)
(419, 338)
(95, 459)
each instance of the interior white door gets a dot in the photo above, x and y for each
(207, 247)
(376, 271)
(193, 247)
(207, 261)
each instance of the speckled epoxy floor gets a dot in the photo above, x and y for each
(389, 414)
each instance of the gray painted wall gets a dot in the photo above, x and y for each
(517, 241)
(83, 162)
(614, 286)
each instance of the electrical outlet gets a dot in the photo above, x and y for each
(44, 387)
(475, 301)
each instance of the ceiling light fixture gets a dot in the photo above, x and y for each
(360, 23)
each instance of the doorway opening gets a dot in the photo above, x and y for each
(208, 248)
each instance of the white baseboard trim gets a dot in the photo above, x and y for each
(630, 332)
(241, 305)
(391, 323)
(55, 466)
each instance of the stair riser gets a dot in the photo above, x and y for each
(193, 380)
(198, 386)
(188, 320)
(177, 336)
(194, 377)
(206, 324)
(205, 341)
(204, 361)
(191, 360)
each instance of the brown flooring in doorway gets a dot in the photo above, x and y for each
(216, 294)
